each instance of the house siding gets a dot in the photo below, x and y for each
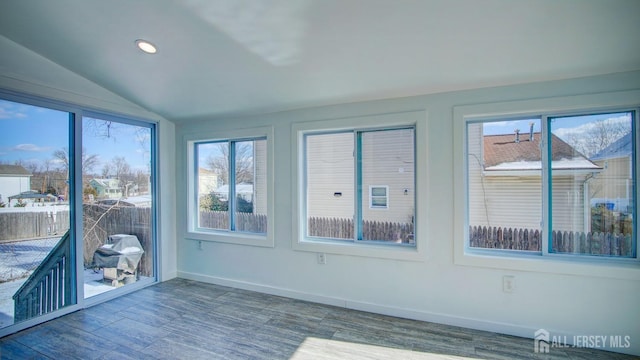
(13, 185)
(260, 168)
(330, 170)
(615, 181)
(207, 182)
(516, 201)
(388, 160)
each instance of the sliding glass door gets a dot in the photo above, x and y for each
(77, 208)
(118, 204)
(37, 242)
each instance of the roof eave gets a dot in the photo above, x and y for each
(538, 172)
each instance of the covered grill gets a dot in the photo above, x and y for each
(119, 258)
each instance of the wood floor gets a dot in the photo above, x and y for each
(182, 319)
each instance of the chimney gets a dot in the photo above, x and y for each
(531, 131)
(517, 131)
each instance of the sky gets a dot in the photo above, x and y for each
(561, 127)
(31, 134)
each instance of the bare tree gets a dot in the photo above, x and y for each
(89, 162)
(106, 170)
(602, 134)
(243, 162)
(120, 167)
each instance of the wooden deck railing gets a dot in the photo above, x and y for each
(48, 287)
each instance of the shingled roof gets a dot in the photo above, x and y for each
(14, 170)
(502, 152)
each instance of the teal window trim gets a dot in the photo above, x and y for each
(358, 177)
(75, 200)
(547, 164)
(634, 183)
(232, 184)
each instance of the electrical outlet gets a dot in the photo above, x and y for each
(508, 283)
(322, 258)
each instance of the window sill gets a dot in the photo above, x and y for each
(623, 269)
(236, 238)
(372, 250)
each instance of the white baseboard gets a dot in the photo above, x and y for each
(168, 275)
(446, 319)
(272, 290)
(503, 328)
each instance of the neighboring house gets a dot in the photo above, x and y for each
(613, 187)
(387, 184)
(207, 181)
(505, 182)
(107, 188)
(14, 180)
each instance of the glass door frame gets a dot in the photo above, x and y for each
(152, 126)
(76, 115)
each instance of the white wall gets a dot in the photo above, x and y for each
(433, 288)
(29, 74)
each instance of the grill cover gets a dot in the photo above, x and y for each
(121, 251)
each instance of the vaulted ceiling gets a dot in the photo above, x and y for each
(219, 58)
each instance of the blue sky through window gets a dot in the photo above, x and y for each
(30, 134)
(573, 124)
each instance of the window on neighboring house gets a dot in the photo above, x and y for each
(231, 185)
(553, 184)
(378, 197)
(340, 166)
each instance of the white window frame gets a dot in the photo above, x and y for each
(386, 197)
(302, 242)
(624, 268)
(193, 231)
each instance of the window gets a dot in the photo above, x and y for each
(553, 184)
(378, 198)
(230, 186)
(340, 166)
(592, 197)
(504, 186)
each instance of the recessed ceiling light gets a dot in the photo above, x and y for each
(146, 46)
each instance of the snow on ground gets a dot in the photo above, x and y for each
(33, 207)
(18, 260)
